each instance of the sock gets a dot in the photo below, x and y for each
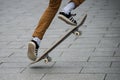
(69, 7)
(37, 40)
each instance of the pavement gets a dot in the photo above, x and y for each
(95, 55)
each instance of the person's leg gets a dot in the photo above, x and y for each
(41, 28)
(66, 15)
(46, 18)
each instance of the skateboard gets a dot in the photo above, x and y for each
(73, 30)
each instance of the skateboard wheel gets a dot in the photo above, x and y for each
(47, 59)
(77, 33)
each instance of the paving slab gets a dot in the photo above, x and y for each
(74, 76)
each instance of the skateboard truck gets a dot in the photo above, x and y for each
(47, 59)
(77, 32)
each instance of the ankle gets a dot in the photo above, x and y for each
(37, 40)
(68, 8)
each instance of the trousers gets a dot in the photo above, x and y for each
(48, 16)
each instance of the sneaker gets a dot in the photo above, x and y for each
(68, 18)
(32, 50)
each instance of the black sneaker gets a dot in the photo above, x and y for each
(67, 18)
(32, 50)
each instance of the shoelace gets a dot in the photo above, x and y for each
(73, 14)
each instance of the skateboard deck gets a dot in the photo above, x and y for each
(73, 29)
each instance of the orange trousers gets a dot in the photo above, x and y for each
(48, 16)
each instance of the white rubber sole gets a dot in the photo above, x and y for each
(31, 51)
